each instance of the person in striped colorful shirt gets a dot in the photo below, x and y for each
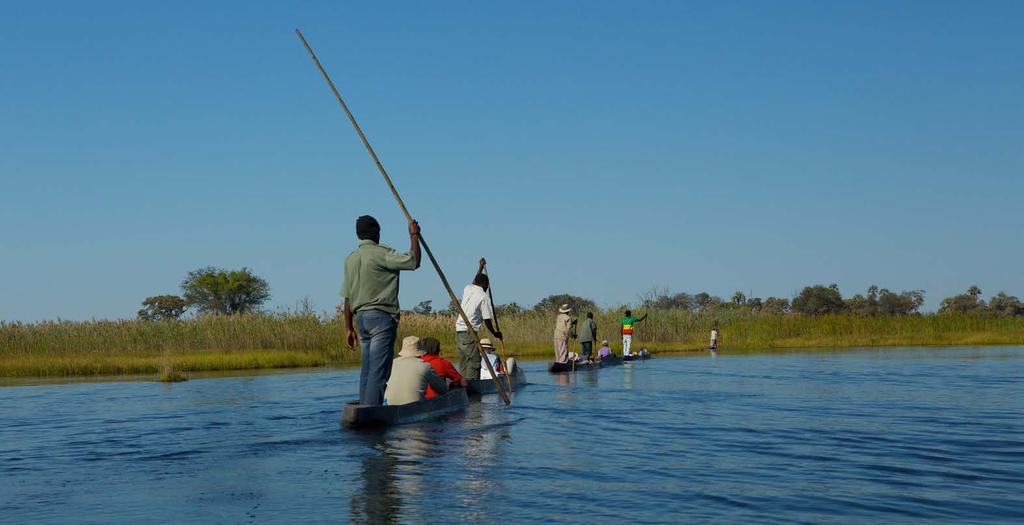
(627, 331)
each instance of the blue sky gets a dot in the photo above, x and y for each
(594, 148)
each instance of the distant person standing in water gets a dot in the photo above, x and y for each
(563, 328)
(714, 337)
(627, 331)
(370, 290)
(587, 336)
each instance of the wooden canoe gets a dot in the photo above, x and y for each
(486, 386)
(358, 416)
(637, 357)
(558, 368)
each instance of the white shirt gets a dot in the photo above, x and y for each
(714, 335)
(477, 306)
(484, 374)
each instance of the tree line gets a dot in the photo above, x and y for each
(216, 291)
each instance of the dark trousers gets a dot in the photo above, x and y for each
(377, 332)
(588, 347)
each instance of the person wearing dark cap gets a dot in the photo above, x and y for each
(370, 290)
(477, 305)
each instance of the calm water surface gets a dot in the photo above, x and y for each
(895, 435)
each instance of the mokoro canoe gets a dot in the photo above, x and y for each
(557, 368)
(637, 357)
(486, 386)
(355, 415)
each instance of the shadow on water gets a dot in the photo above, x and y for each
(402, 466)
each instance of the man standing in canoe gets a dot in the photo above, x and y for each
(627, 331)
(563, 327)
(370, 290)
(587, 334)
(477, 306)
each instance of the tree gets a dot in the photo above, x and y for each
(755, 304)
(162, 307)
(505, 310)
(739, 298)
(819, 300)
(423, 308)
(776, 305)
(904, 303)
(1005, 305)
(703, 300)
(664, 300)
(965, 303)
(216, 291)
(552, 302)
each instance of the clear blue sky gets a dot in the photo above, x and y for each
(594, 148)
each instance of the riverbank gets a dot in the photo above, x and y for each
(93, 348)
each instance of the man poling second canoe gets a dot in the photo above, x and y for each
(477, 306)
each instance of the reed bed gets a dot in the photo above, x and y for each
(174, 348)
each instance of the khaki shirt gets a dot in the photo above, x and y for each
(371, 277)
(563, 323)
(409, 379)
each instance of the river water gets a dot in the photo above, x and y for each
(869, 436)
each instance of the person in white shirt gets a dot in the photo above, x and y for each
(477, 305)
(495, 362)
(714, 338)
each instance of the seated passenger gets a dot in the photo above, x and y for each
(604, 352)
(495, 363)
(443, 367)
(410, 376)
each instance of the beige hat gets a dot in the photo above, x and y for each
(564, 309)
(412, 346)
(604, 342)
(487, 344)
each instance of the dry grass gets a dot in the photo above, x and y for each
(173, 349)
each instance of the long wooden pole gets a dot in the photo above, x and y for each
(408, 217)
(501, 342)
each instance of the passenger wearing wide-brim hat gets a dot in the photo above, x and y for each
(488, 348)
(563, 328)
(410, 375)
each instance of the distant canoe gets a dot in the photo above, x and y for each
(357, 416)
(558, 368)
(637, 357)
(486, 386)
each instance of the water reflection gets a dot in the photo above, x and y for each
(393, 468)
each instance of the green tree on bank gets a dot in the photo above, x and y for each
(217, 291)
(162, 308)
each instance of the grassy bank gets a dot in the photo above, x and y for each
(262, 341)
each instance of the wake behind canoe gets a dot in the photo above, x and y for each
(355, 415)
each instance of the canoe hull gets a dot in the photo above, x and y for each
(355, 415)
(486, 386)
(558, 368)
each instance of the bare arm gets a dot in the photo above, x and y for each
(483, 263)
(490, 326)
(414, 238)
(350, 333)
(642, 318)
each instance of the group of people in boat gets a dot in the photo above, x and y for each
(585, 333)
(371, 315)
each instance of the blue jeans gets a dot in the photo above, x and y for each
(586, 348)
(377, 332)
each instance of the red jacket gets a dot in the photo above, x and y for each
(444, 369)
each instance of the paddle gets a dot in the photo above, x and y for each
(408, 217)
(494, 313)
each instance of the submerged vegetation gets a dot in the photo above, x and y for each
(174, 348)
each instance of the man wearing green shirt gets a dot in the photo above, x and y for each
(587, 335)
(371, 296)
